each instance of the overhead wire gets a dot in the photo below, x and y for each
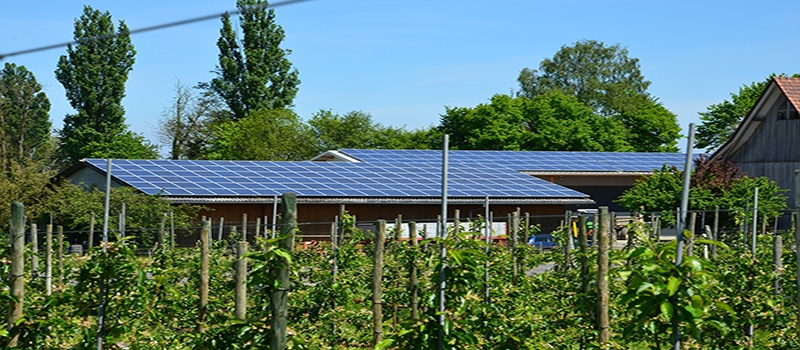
(150, 28)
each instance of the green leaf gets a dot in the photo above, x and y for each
(666, 310)
(672, 285)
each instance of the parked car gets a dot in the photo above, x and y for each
(543, 241)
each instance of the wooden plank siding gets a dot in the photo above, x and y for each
(772, 151)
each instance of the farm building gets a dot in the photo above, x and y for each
(601, 175)
(382, 184)
(370, 190)
(765, 141)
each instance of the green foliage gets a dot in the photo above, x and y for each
(25, 182)
(264, 135)
(713, 184)
(603, 77)
(357, 130)
(72, 207)
(24, 116)
(611, 83)
(94, 73)
(253, 71)
(720, 120)
(551, 121)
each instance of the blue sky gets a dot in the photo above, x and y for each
(404, 61)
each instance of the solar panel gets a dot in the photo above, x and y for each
(326, 179)
(529, 160)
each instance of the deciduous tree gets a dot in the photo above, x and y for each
(552, 121)
(94, 73)
(606, 79)
(254, 72)
(269, 134)
(24, 116)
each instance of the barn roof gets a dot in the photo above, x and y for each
(203, 181)
(786, 86)
(529, 162)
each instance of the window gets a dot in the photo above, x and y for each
(786, 110)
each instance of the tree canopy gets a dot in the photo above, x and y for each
(94, 73)
(254, 72)
(356, 129)
(713, 183)
(611, 83)
(267, 134)
(24, 116)
(553, 121)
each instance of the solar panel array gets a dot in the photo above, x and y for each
(531, 160)
(326, 179)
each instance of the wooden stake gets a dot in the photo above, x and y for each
(16, 278)
(91, 231)
(48, 260)
(60, 254)
(35, 253)
(241, 281)
(204, 276)
(377, 278)
(161, 232)
(412, 278)
(279, 298)
(244, 227)
(584, 254)
(602, 277)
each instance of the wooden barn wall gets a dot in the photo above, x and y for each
(771, 152)
(315, 219)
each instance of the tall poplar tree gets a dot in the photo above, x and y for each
(24, 116)
(253, 71)
(94, 73)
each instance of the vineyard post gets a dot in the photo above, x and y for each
(279, 299)
(595, 227)
(48, 260)
(244, 227)
(568, 246)
(241, 281)
(258, 228)
(334, 271)
(171, 230)
(221, 228)
(204, 276)
(274, 215)
(60, 254)
(398, 228)
(16, 278)
(161, 231)
(584, 254)
(755, 223)
(442, 247)
(35, 252)
(334, 234)
(487, 252)
(377, 277)
(715, 232)
(690, 228)
(122, 222)
(412, 278)
(514, 235)
(91, 231)
(602, 276)
(340, 229)
(777, 258)
(527, 228)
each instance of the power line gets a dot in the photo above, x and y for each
(151, 28)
